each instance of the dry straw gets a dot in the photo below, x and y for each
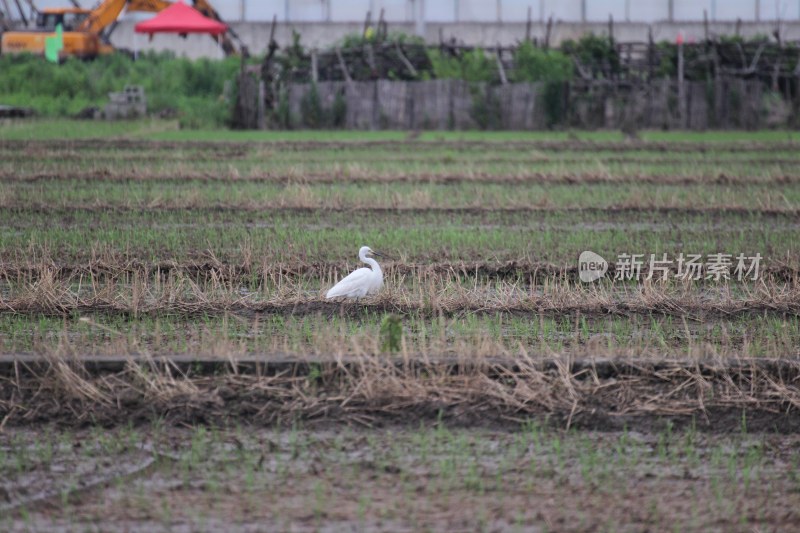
(367, 390)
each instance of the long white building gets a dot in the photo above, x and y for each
(498, 10)
(322, 23)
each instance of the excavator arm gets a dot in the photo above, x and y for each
(150, 6)
(225, 42)
(102, 18)
(108, 11)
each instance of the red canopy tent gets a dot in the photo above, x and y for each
(183, 19)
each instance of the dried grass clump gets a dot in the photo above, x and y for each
(422, 291)
(368, 389)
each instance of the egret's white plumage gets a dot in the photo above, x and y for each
(362, 281)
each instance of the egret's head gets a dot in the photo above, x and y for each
(366, 251)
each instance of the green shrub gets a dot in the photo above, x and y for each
(474, 66)
(553, 102)
(357, 40)
(283, 115)
(534, 64)
(485, 109)
(444, 66)
(311, 111)
(339, 111)
(293, 56)
(192, 88)
(594, 50)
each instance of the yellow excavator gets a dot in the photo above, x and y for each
(86, 31)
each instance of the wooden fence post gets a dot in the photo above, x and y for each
(681, 87)
(651, 55)
(405, 60)
(376, 110)
(343, 66)
(611, 28)
(500, 68)
(314, 69)
(367, 22)
(796, 117)
(717, 86)
(261, 120)
(528, 27)
(547, 33)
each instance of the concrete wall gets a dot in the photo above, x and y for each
(460, 105)
(320, 35)
(494, 10)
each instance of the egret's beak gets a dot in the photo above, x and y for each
(376, 253)
(385, 256)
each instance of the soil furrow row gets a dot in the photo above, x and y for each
(180, 157)
(525, 271)
(266, 207)
(695, 310)
(416, 146)
(340, 177)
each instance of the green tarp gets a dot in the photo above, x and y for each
(53, 45)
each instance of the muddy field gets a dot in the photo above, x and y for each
(397, 479)
(171, 292)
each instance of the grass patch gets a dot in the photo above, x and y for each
(65, 128)
(205, 246)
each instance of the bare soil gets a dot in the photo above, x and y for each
(428, 478)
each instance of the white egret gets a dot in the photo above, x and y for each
(362, 281)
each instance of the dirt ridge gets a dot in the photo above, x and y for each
(599, 395)
(333, 177)
(690, 309)
(97, 207)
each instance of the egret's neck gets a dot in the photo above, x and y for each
(372, 263)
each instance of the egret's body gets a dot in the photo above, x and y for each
(360, 282)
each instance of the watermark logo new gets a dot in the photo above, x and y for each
(591, 267)
(718, 267)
